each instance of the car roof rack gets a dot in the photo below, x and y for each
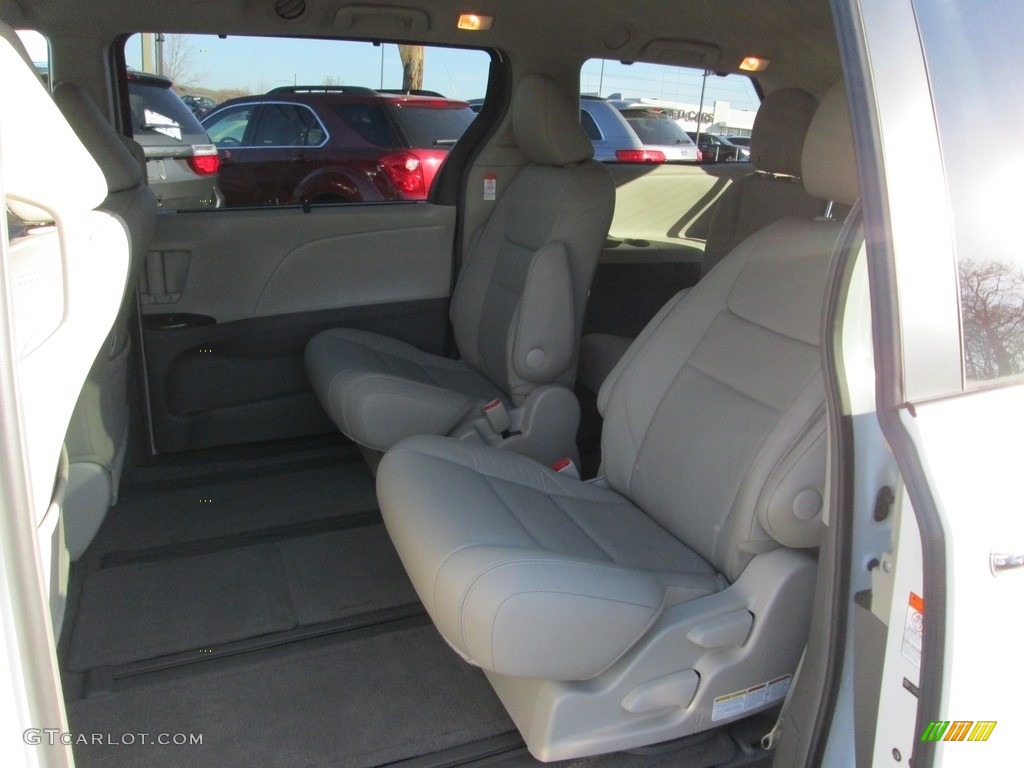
(354, 89)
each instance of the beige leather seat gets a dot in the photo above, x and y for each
(98, 434)
(65, 273)
(517, 307)
(751, 203)
(629, 611)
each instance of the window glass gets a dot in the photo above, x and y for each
(279, 121)
(436, 124)
(38, 48)
(629, 106)
(228, 127)
(659, 129)
(971, 81)
(370, 121)
(287, 125)
(156, 109)
(589, 126)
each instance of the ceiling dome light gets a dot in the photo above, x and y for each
(754, 64)
(475, 22)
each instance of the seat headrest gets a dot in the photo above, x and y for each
(546, 126)
(777, 138)
(829, 161)
(120, 168)
(40, 184)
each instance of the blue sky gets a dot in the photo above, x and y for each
(258, 65)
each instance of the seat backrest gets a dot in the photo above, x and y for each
(65, 281)
(774, 190)
(518, 305)
(714, 420)
(128, 194)
(97, 436)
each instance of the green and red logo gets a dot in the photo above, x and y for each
(958, 730)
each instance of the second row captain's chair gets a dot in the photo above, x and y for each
(676, 594)
(518, 304)
(750, 203)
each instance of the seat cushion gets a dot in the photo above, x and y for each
(379, 390)
(524, 571)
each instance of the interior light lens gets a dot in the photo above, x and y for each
(754, 64)
(475, 22)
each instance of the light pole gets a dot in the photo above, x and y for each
(700, 109)
(700, 114)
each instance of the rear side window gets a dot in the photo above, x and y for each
(589, 126)
(660, 104)
(432, 126)
(294, 121)
(370, 121)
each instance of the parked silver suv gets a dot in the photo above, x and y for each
(613, 138)
(659, 131)
(181, 161)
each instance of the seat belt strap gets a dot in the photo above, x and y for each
(769, 740)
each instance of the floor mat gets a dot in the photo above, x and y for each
(145, 610)
(342, 573)
(355, 704)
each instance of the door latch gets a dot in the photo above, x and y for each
(1002, 562)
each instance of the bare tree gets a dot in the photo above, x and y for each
(412, 66)
(332, 81)
(992, 301)
(180, 62)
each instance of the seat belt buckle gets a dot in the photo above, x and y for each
(497, 417)
(566, 466)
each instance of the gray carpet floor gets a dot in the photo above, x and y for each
(191, 511)
(353, 705)
(146, 610)
(143, 610)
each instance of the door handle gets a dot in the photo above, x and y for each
(167, 321)
(1003, 562)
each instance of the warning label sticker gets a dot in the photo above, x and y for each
(913, 629)
(490, 186)
(755, 697)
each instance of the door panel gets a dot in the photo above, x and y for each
(231, 297)
(656, 240)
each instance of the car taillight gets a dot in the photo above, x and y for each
(406, 172)
(204, 159)
(639, 156)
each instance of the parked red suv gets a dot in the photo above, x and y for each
(322, 144)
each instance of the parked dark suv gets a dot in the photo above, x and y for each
(200, 105)
(324, 144)
(181, 161)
